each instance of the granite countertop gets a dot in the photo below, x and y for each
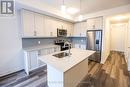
(65, 63)
(32, 48)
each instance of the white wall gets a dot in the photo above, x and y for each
(11, 57)
(106, 40)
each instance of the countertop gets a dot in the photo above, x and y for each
(32, 48)
(64, 64)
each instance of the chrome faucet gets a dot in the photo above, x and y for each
(69, 45)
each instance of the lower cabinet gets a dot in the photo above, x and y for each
(81, 46)
(31, 58)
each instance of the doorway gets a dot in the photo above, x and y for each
(118, 37)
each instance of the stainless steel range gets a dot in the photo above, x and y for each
(62, 44)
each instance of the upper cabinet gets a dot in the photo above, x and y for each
(95, 23)
(38, 25)
(33, 24)
(80, 29)
(50, 27)
(70, 30)
(28, 24)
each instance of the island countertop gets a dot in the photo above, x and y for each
(66, 63)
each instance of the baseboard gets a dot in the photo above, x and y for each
(10, 72)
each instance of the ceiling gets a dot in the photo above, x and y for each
(87, 6)
(53, 7)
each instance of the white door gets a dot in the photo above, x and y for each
(28, 23)
(118, 37)
(39, 25)
(129, 37)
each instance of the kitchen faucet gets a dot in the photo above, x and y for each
(69, 45)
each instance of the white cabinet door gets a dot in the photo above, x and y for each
(69, 30)
(80, 29)
(83, 29)
(33, 58)
(99, 23)
(95, 23)
(28, 23)
(50, 27)
(77, 30)
(39, 25)
(90, 24)
(80, 46)
(54, 28)
(83, 46)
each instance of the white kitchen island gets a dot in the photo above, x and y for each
(67, 71)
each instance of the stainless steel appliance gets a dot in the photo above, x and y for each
(62, 44)
(61, 32)
(94, 42)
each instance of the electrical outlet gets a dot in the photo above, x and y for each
(39, 42)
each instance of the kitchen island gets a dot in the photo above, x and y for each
(67, 71)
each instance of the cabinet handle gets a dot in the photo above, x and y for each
(93, 26)
(79, 46)
(51, 33)
(35, 33)
(39, 52)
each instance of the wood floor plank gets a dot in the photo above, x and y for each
(113, 73)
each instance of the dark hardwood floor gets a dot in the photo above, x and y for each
(111, 74)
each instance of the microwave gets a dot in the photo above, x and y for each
(61, 33)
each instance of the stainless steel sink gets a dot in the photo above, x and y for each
(61, 55)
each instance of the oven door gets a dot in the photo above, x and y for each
(61, 32)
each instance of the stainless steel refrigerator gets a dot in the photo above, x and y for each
(94, 42)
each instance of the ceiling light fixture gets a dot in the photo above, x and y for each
(80, 18)
(120, 17)
(63, 7)
(72, 10)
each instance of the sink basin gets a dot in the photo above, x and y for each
(61, 55)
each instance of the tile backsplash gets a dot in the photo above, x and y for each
(28, 42)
